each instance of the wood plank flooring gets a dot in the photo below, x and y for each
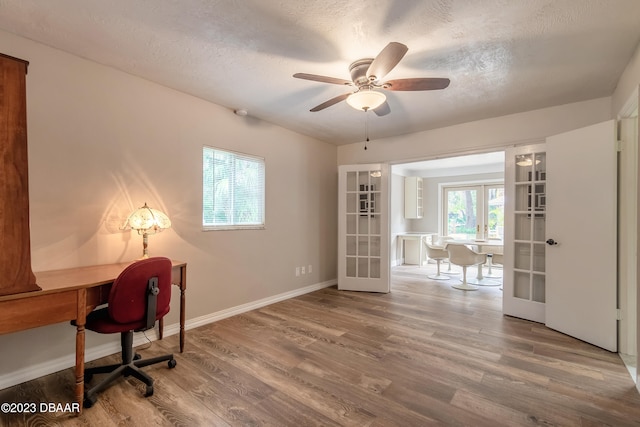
(424, 354)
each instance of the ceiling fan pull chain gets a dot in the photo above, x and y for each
(366, 128)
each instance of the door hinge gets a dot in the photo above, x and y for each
(618, 314)
(619, 145)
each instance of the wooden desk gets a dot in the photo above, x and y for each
(69, 295)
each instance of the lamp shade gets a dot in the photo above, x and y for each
(366, 99)
(148, 221)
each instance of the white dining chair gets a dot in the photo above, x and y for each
(499, 260)
(442, 242)
(491, 252)
(465, 257)
(438, 255)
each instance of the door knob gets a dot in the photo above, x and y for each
(551, 242)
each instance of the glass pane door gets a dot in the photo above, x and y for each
(524, 277)
(363, 225)
(529, 246)
(363, 230)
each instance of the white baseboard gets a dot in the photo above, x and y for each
(35, 371)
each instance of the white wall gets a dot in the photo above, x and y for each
(479, 136)
(627, 85)
(102, 142)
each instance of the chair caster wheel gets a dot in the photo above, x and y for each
(137, 357)
(89, 401)
(172, 363)
(149, 391)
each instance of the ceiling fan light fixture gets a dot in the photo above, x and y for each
(525, 160)
(365, 100)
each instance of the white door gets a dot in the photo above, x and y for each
(524, 235)
(363, 228)
(581, 234)
(560, 242)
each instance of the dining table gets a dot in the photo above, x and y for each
(480, 244)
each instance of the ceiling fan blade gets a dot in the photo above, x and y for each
(426, 83)
(330, 102)
(386, 60)
(323, 79)
(383, 109)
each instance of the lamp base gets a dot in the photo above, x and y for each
(145, 247)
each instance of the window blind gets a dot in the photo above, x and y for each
(233, 190)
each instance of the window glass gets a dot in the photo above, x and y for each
(473, 211)
(233, 187)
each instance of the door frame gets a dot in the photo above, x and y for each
(627, 232)
(630, 110)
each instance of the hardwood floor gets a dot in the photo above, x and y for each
(424, 354)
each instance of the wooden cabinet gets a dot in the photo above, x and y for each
(16, 274)
(413, 195)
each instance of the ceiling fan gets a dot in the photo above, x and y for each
(366, 76)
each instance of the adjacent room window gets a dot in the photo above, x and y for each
(473, 210)
(232, 190)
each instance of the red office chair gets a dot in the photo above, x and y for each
(139, 296)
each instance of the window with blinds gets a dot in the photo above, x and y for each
(233, 188)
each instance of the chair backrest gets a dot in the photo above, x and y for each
(128, 296)
(497, 259)
(462, 255)
(440, 241)
(436, 253)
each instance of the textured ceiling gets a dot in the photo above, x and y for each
(502, 56)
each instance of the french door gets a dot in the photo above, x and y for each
(582, 222)
(363, 228)
(473, 211)
(524, 280)
(560, 247)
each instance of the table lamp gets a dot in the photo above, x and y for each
(147, 221)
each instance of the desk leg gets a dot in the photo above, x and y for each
(183, 288)
(80, 342)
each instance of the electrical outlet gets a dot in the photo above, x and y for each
(304, 270)
(310, 269)
(297, 271)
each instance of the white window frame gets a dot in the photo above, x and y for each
(258, 225)
(444, 186)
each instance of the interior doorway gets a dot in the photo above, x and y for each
(457, 172)
(460, 167)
